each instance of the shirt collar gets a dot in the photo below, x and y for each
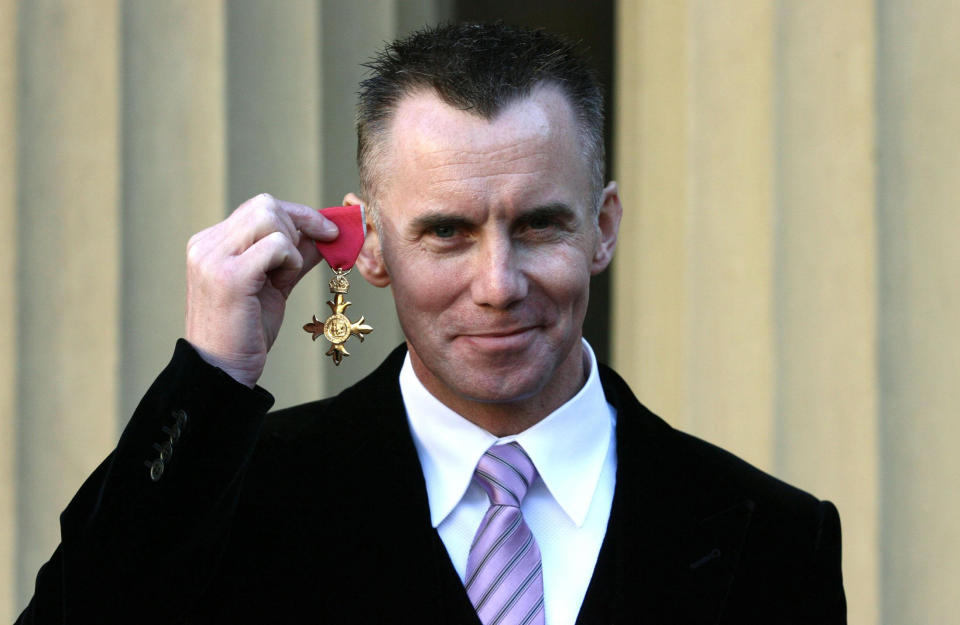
(568, 447)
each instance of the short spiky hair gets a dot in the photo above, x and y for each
(480, 68)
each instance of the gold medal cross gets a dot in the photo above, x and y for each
(337, 328)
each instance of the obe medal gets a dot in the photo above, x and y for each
(341, 253)
(337, 328)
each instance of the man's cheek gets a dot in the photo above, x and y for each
(564, 268)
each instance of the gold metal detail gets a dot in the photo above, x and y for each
(338, 283)
(337, 328)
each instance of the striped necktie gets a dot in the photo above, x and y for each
(504, 579)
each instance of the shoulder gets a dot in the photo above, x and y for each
(698, 480)
(693, 465)
(355, 408)
(783, 542)
(340, 431)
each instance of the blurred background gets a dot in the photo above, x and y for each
(787, 283)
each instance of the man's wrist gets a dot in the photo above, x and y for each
(244, 375)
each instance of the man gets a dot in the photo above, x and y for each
(489, 471)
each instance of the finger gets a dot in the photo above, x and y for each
(256, 218)
(310, 221)
(273, 256)
(311, 256)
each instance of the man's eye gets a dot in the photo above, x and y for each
(444, 231)
(544, 222)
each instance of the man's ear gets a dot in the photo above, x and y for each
(370, 262)
(608, 225)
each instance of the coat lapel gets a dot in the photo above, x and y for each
(427, 583)
(663, 558)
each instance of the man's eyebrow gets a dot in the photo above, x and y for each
(554, 209)
(434, 219)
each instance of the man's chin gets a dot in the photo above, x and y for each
(499, 381)
(492, 377)
(500, 395)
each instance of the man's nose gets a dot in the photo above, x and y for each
(499, 279)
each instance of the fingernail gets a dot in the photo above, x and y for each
(330, 228)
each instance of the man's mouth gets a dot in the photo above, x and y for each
(501, 339)
(500, 332)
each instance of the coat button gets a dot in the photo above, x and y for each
(165, 449)
(156, 469)
(173, 433)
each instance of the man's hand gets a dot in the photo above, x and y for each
(239, 275)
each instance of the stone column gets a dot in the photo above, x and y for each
(693, 318)
(273, 107)
(918, 127)
(69, 275)
(825, 286)
(8, 307)
(729, 253)
(650, 149)
(745, 281)
(173, 176)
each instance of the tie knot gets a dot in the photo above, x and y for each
(505, 472)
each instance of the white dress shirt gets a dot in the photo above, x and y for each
(568, 505)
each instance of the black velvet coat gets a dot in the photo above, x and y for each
(319, 514)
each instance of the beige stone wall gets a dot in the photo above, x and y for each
(787, 284)
(8, 306)
(68, 269)
(918, 210)
(125, 127)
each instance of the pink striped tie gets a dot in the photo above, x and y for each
(504, 579)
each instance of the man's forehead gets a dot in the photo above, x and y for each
(423, 123)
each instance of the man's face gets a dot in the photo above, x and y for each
(489, 239)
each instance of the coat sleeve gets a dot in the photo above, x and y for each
(142, 538)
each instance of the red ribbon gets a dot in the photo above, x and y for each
(342, 252)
